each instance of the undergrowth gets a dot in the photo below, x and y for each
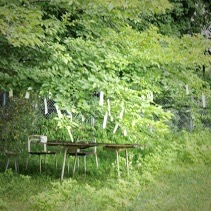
(102, 189)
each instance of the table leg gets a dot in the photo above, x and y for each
(7, 165)
(127, 166)
(117, 160)
(40, 161)
(74, 167)
(63, 165)
(85, 164)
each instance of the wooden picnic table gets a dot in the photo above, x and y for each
(121, 147)
(84, 145)
(75, 146)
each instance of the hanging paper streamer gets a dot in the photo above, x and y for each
(111, 118)
(121, 113)
(105, 120)
(70, 134)
(152, 96)
(125, 132)
(109, 107)
(27, 95)
(187, 89)
(150, 128)
(115, 128)
(4, 99)
(70, 116)
(82, 118)
(92, 121)
(101, 99)
(58, 111)
(46, 106)
(203, 101)
(11, 93)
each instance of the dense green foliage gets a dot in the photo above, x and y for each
(137, 53)
(69, 51)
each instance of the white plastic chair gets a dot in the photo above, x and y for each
(40, 149)
(12, 155)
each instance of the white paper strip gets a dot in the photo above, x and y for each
(125, 132)
(203, 101)
(46, 106)
(187, 89)
(101, 99)
(109, 107)
(70, 116)
(152, 96)
(70, 134)
(11, 93)
(115, 128)
(121, 113)
(92, 121)
(111, 118)
(150, 128)
(58, 111)
(105, 120)
(27, 95)
(4, 99)
(82, 118)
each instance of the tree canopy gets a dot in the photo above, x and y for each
(71, 51)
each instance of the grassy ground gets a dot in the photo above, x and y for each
(175, 176)
(179, 188)
(184, 188)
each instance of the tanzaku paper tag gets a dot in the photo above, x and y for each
(70, 116)
(27, 95)
(101, 99)
(115, 128)
(109, 107)
(125, 132)
(105, 120)
(70, 134)
(82, 118)
(187, 89)
(121, 113)
(4, 99)
(92, 121)
(46, 106)
(11, 93)
(203, 101)
(58, 111)
(150, 128)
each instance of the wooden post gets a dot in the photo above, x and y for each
(85, 164)
(63, 166)
(40, 161)
(74, 167)
(117, 160)
(127, 166)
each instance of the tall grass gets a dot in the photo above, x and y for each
(172, 173)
